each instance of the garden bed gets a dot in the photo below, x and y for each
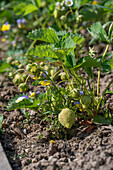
(87, 146)
(56, 84)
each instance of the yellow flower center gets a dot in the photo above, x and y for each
(59, 7)
(68, 3)
(94, 2)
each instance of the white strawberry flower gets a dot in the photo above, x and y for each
(68, 3)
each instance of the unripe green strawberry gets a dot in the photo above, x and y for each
(35, 70)
(18, 79)
(55, 13)
(66, 117)
(75, 93)
(24, 76)
(85, 101)
(23, 87)
(28, 67)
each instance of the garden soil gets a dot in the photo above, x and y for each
(87, 147)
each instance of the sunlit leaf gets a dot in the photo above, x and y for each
(47, 35)
(98, 32)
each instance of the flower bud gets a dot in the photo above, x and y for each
(63, 17)
(43, 4)
(85, 101)
(9, 60)
(23, 87)
(75, 93)
(63, 76)
(11, 74)
(16, 62)
(66, 117)
(42, 64)
(55, 13)
(52, 73)
(20, 66)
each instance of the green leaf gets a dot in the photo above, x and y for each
(111, 63)
(110, 32)
(89, 71)
(19, 9)
(46, 35)
(29, 9)
(61, 33)
(88, 61)
(106, 65)
(68, 43)
(6, 14)
(1, 120)
(106, 120)
(108, 91)
(98, 32)
(88, 14)
(70, 61)
(36, 3)
(43, 51)
(60, 53)
(4, 66)
(78, 38)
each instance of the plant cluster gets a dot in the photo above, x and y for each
(53, 58)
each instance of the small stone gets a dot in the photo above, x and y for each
(63, 154)
(44, 162)
(34, 160)
(50, 167)
(24, 131)
(50, 158)
(25, 162)
(52, 149)
(94, 163)
(32, 146)
(57, 155)
(63, 159)
(27, 150)
(20, 118)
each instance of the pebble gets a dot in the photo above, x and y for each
(34, 160)
(50, 158)
(63, 159)
(25, 162)
(27, 150)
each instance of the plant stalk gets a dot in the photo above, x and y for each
(104, 92)
(99, 73)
